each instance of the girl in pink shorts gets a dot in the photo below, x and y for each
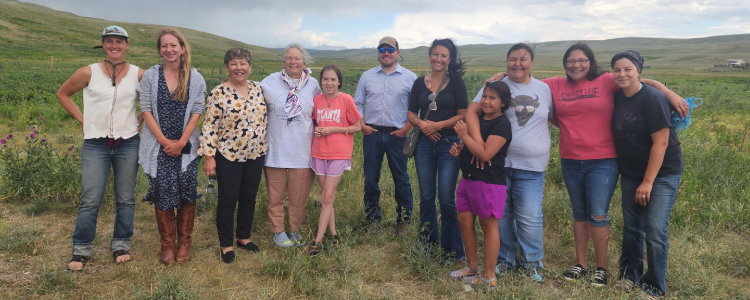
(481, 191)
(336, 120)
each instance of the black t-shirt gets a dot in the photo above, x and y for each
(451, 98)
(634, 120)
(494, 174)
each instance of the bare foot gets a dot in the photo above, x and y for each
(122, 258)
(75, 266)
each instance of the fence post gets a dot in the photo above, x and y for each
(51, 62)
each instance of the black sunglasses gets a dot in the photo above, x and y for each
(389, 49)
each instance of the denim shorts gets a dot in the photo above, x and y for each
(591, 185)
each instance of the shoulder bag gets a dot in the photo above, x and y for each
(410, 145)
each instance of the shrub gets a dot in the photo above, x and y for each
(32, 170)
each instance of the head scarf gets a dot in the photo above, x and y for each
(631, 55)
(293, 106)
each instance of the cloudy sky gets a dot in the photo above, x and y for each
(355, 24)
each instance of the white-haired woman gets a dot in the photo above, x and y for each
(289, 98)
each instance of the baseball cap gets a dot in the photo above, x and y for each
(389, 41)
(113, 30)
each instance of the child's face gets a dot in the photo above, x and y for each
(330, 82)
(491, 102)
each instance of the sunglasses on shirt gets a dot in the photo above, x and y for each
(389, 49)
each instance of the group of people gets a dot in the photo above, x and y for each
(290, 129)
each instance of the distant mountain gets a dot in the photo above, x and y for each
(327, 47)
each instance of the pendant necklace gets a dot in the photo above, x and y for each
(114, 67)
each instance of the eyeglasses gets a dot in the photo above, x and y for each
(389, 49)
(580, 61)
(210, 188)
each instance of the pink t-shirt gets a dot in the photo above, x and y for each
(337, 112)
(584, 115)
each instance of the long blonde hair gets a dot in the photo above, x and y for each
(181, 93)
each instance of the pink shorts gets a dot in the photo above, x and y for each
(330, 167)
(481, 198)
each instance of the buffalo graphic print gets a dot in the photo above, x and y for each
(524, 106)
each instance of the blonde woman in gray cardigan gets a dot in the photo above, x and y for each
(172, 101)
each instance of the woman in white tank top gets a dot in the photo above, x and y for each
(110, 133)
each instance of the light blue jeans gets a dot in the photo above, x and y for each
(652, 221)
(590, 184)
(96, 160)
(521, 224)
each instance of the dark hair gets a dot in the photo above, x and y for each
(502, 90)
(336, 70)
(456, 67)
(520, 46)
(595, 70)
(238, 53)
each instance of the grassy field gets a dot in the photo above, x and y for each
(710, 223)
(40, 48)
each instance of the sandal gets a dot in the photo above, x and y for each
(458, 274)
(78, 258)
(119, 253)
(480, 280)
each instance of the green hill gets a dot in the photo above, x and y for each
(30, 31)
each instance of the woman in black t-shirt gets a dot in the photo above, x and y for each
(650, 162)
(432, 158)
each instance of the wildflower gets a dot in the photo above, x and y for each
(33, 127)
(70, 148)
(8, 136)
(5, 146)
(33, 135)
(40, 147)
(36, 131)
(65, 154)
(2, 141)
(44, 139)
(41, 118)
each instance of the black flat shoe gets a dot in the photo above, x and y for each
(227, 257)
(249, 247)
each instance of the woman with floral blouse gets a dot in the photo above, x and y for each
(234, 146)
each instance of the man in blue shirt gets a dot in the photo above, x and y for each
(382, 98)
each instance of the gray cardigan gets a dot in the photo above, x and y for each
(148, 90)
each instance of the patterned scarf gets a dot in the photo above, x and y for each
(293, 106)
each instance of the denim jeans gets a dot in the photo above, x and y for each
(375, 145)
(651, 220)
(590, 185)
(96, 160)
(437, 172)
(521, 224)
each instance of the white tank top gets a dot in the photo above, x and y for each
(109, 111)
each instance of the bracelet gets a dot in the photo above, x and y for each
(347, 131)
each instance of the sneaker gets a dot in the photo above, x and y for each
(624, 284)
(314, 248)
(296, 239)
(373, 228)
(534, 275)
(576, 272)
(463, 273)
(282, 240)
(600, 277)
(501, 269)
(401, 229)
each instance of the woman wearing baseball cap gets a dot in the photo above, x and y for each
(110, 139)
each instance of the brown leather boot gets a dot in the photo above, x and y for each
(185, 222)
(167, 231)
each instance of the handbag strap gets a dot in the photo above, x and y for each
(440, 87)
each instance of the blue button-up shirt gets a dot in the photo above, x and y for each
(383, 99)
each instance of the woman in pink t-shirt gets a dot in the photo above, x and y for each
(336, 120)
(584, 104)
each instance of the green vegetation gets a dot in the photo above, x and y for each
(709, 227)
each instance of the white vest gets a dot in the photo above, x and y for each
(109, 111)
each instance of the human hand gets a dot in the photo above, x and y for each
(461, 128)
(209, 166)
(643, 193)
(479, 163)
(429, 127)
(401, 132)
(496, 77)
(434, 137)
(367, 130)
(173, 148)
(456, 149)
(680, 106)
